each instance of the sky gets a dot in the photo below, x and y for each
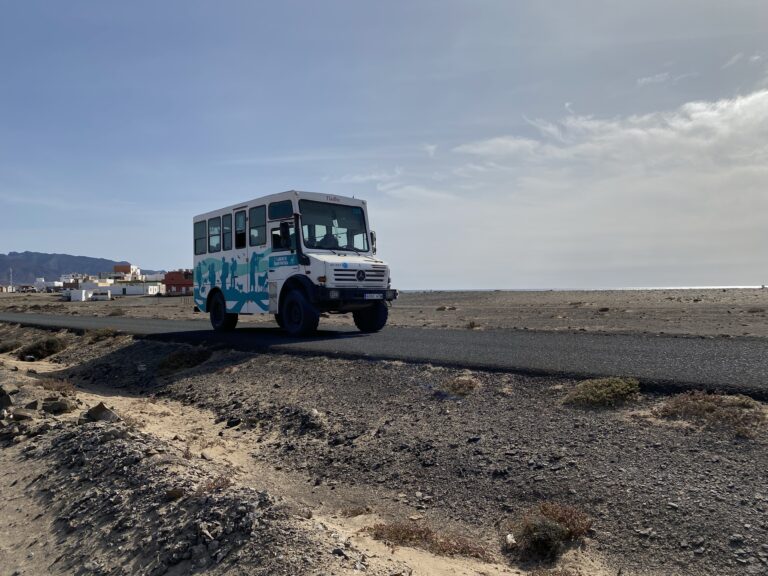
(500, 145)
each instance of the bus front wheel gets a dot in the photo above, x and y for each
(371, 319)
(298, 316)
(221, 320)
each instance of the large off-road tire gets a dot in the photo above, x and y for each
(221, 320)
(299, 317)
(372, 318)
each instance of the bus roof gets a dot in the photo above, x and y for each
(298, 194)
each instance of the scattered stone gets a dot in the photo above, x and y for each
(21, 414)
(9, 389)
(100, 413)
(34, 405)
(174, 493)
(59, 406)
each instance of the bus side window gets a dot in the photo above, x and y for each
(226, 226)
(240, 229)
(214, 234)
(201, 238)
(258, 225)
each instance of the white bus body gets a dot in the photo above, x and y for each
(249, 259)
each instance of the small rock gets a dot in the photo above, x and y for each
(8, 389)
(21, 414)
(510, 542)
(415, 517)
(100, 413)
(59, 406)
(232, 422)
(34, 405)
(174, 493)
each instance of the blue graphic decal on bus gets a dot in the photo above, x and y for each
(284, 260)
(230, 277)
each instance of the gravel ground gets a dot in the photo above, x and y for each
(397, 440)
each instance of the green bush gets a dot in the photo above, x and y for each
(603, 392)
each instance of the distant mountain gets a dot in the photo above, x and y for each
(30, 265)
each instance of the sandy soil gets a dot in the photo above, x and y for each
(327, 448)
(714, 312)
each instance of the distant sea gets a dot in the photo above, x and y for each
(589, 289)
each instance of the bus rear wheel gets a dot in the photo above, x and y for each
(221, 320)
(298, 316)
(371, 319)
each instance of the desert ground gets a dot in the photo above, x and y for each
(127, 456)
(705, 312)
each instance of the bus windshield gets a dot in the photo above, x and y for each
(328, 226)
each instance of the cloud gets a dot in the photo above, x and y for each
(369, 177)
(729, 131)
(430, 149)
(501, 146)
(655, 79)
(733, 60)
(673, 197)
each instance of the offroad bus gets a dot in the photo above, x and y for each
(294, 255)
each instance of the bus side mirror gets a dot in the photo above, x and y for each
(285, 234)
(373, 241)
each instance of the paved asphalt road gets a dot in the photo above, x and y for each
(734, 364)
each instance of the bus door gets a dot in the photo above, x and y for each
(236, 288)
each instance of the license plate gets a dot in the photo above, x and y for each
(374, 296)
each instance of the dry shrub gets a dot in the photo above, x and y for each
(221, 482)
(462, 385)
(100, 334)
(421, 536)
(9, 346)
(64, 387)
(576, 522)
(601, 392)
(736, 413)
(183, 360)
(116, 312)
(544, 531)
(42, 348)
(471, 325)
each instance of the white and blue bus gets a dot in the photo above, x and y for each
(294, 255)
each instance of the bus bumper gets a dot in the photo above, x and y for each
(351, 298)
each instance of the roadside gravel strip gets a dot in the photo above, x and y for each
(464, 452)
(660, 362)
